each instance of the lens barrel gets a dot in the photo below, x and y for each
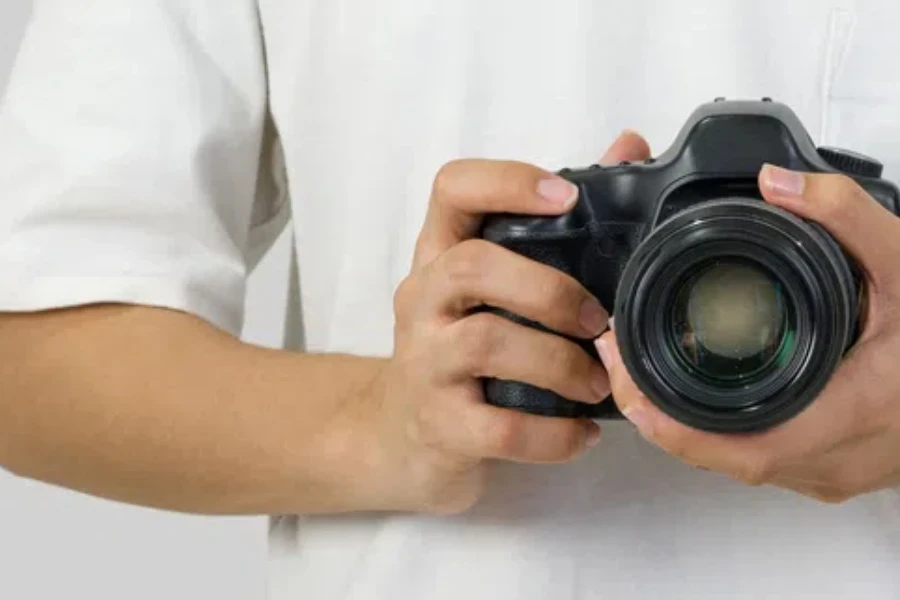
(733, 314)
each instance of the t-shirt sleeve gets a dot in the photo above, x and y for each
(130, 143)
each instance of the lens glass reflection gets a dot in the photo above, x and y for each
(731, 322)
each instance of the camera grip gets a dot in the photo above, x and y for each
(567, 254)
(530, 399)
(524, 397)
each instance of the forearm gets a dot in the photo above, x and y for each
(157, 408)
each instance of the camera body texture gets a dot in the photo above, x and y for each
(731, 314)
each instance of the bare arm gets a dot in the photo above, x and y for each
(157, 408)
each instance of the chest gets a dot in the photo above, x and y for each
(371, 98)
(421, 82)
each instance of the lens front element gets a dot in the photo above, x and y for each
(732, 315)
(730, 323)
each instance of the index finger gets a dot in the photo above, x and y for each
(465, 190)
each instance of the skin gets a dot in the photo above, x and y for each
(847, 443)
(157, 408)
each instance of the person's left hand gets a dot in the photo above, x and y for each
(847, 443)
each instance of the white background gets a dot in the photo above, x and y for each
(55, 544)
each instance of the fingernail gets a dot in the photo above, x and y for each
(612, 323)
(557, 190)
(593, 317)
(783, 182)
(604, 352)
(592, 438)
(640, 419)
(600, 385)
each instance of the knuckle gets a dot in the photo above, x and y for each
(502, 438)
(445, 179)
(558, 355)
(465, 262)
(677, 446)
(563, 293)
(424, 428)
(478, 339)
(757, 471)
(452, 506)
(868, 419)
(850, 481)
(829, 495)
(454, 495)
(833, 206)
(838, 201)
(573, 444)
(405, 296)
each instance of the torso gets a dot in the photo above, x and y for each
(371, 98)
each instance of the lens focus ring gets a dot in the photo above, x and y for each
(733, 314)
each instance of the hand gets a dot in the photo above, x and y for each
(847, 443)
(435, 430)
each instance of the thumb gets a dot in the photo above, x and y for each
(866, 229)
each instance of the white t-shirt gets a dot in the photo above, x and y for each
(151, 149)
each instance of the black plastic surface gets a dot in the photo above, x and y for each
(852, 163)
(718, 153)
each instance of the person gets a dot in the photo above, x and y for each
(151, 151)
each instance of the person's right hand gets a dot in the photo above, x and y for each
(435, 431)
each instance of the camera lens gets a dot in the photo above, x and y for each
(731, 323)
(732, 314)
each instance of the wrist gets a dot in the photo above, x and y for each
(346, 455)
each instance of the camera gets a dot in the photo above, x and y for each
(731, 314)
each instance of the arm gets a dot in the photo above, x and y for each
(133, 144)
(157, 408)
(129, 151)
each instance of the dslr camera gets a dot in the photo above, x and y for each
(731, 314)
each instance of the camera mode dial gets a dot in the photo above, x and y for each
(852, 163)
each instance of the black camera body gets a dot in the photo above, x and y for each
(731, 314)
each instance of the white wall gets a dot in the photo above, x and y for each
(55, 544)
